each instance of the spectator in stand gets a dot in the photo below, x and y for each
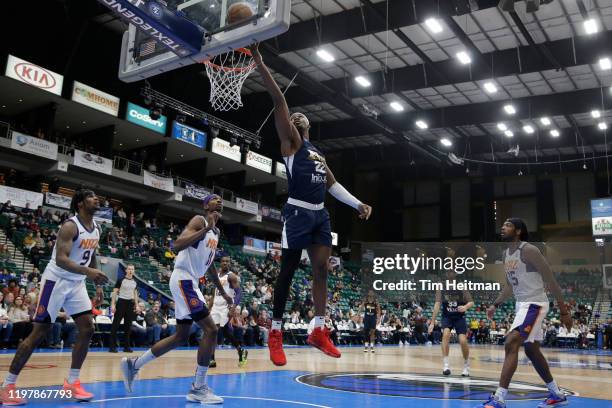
(250, 288)
(97, 301)
(29, 300)
(139, 331)
(237, 322)
(11, 288)
(265, 324)
(29, 242)
(169, 255)
(5, 253)
(63, 327)
(482, 334)
(9, 209)
(19, 316)
(26, 211)
(9, 300)
(6, 326)
(157, 326)
(608, 335)
(36, 254)
(121, 214)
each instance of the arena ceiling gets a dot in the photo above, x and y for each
(544, 64)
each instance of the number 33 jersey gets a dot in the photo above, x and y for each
(525, 279)
(197, 258)
(84, 245)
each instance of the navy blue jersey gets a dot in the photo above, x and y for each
(307, 174)
(371, 309)
(451, 300)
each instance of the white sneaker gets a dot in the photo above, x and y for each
(129, 372)
(203, 395)
(466, 371)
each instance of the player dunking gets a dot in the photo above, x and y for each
(371, 319)
(63, 286)
(196, 247)
(454, 304)
(307, 223)
(221, 309)
(526, 271)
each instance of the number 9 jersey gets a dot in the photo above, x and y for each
(84, 245)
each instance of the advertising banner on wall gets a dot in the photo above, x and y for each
(258, 161)
(32, 74)
(281, 170)
(140, 116)
(188, 135)
(58, 200)
(19, 197)
(247, 206)
(104, 215)
(161, 183)
(271, 213)
(601, 216)
(254, 245)
(195, 191)
(223, 148)
(93, 162)
(33, 145)
(94, 98)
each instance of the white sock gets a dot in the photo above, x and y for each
(277, 324)
(200, 376)
(367, 344)
(144, 359)
(501, 393)
(466, 363)
(73, 375)
(10, 379)
(445, 359)
(554, 388)
(319, 321)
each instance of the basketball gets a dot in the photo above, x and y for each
(239, 12)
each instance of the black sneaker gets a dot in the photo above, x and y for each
(212, 364)
(446, 372)
(127, 350)
(113, 350)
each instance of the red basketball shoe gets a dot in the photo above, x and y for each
(275, 345)
(319, 338)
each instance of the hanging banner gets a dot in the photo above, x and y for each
(33, 145)
(258, 161)
(254, 245)
(19, 198)
(223, 148)
(104, 215)
(140, 116)
(247, 206)
(274, 248)
(58, 200)
(195, 191)
(161, 183)
(334, 239)
(32, 74)
(95, 98)
(601, 217)
(93, 162)
(271, 213)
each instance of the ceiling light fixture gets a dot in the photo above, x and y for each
(510, 109)
(464, 57)
(396, 106)
(421, 124)
(528, 129)
(325, 56)
(445, 142)
(434, 25)
(545, 121)
(605, 64)
(509, 133)
(555, 133)
(596, 114)
(590, 26)
(502, 126)
(602, 126)
(490, 87)
(363, 81)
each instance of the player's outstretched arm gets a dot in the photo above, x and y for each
(65, 236)
(533, 256)
(341, 194)
(290, 138)
(194, 231)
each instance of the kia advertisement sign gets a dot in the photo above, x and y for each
(34, 75)
(140, 116)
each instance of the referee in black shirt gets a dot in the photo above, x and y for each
(123, 306)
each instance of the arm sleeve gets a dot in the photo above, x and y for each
(341, 194)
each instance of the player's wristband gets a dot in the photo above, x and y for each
(341, 194)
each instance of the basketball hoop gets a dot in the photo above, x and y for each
(227, 73)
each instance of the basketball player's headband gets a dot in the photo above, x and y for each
(300, 120)
(208, 198)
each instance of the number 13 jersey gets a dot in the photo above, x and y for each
(84, 246)
(197, 258)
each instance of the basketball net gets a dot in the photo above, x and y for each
(227, 73)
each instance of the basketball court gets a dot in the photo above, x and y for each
(393, 377)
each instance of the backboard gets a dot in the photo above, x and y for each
(142, 56)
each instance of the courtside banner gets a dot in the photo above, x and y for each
(94, 98)
(32, 74)
(34, 145)
(188, 135)
(19, 197)
(161, 183)
(93, 162)
(58, 200)
(247, 206)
